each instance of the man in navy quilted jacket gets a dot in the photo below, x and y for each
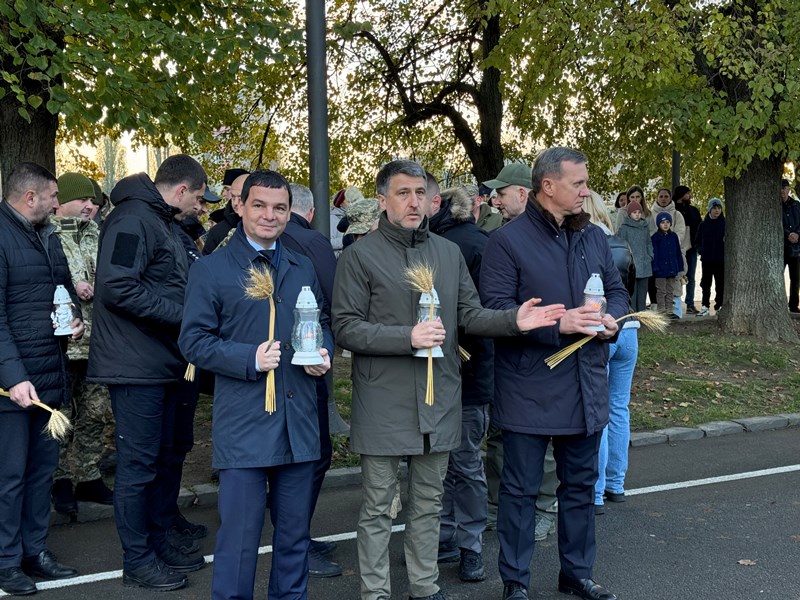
(33, 368)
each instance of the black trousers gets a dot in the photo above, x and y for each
(715, 271)
(145, 416)
(186, 396)
(29, 458)
(793, 262)
(326, 449)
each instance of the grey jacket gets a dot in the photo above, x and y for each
(374, 311)
(637, 234)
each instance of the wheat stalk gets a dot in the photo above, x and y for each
(420, 277)
(190, 372)
(653, 320)
(261, 287)
(58, 425)
(465, 356)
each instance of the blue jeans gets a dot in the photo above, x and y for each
(691, 268)
(612, 462)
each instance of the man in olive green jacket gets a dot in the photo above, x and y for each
(375, 317)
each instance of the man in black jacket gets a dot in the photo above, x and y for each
(692, 217)
(464, 508)
(791, 243)
(33, 367)
(140, 284)
(230, 214)
(301, 238)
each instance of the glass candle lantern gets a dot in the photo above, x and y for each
(63, 311)
(594, 296)
(424, 314)
(306, 333)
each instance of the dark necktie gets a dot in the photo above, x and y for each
(268, 254)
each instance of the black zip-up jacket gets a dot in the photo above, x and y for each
(140, 283)
(477, 374)
(791, 224)
(32, 264)
(221, 230)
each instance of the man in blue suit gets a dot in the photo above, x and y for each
(226, 333)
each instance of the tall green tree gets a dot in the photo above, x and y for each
(721, 79)
(150, 66)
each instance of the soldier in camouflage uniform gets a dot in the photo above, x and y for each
(90, 407)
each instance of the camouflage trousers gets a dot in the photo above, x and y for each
(90, 414)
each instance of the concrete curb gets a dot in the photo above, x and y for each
(205, 494)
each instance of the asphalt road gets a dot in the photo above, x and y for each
(661, 544)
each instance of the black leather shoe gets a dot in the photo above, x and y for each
(320, 567)
(515, 591)
(614, 497)
(94, 491)
(63, 498)
(178, 561)
(46, 566)
(13, 581)
(585, 588)
(154, 576)
(321, 548)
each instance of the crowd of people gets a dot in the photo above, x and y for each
(155, 297)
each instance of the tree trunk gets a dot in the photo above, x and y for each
(490, 111)
(755, 294)
(23, 141)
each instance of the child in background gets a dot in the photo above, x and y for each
(710, 244)
(667, 262)
(634, 230)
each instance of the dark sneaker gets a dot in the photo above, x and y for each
(46, 565)
(154, 576)
(437, 596)
(321, 548)
(320, 567)
(182, 542)
(470, 567)
(180, 562)
(193, 530)
(63, 498)
(94, 491)
(448, 552)
(14, 582)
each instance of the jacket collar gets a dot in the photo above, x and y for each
(295, 218)
(42, 231)
(401, 236)
(536, 211)
(140, 187)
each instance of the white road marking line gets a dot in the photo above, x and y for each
(712, 480)
(351, 535)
